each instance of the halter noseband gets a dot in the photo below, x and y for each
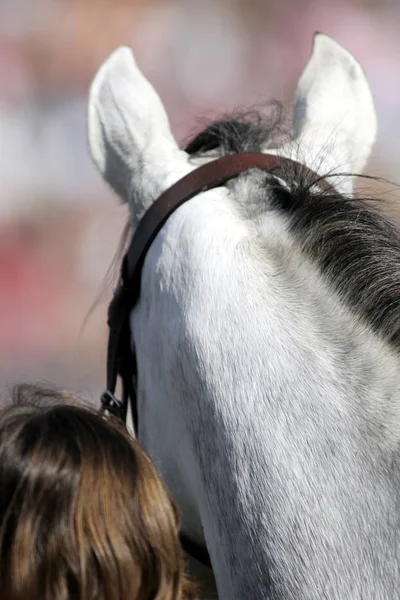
(121, 356)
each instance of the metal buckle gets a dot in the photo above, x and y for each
(110, 405)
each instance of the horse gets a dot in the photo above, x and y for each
(267, 335)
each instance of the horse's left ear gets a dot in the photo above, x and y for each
(334, 115)
(129, 134)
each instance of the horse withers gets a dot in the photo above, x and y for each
(266, 336)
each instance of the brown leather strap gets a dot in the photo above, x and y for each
(205, 177)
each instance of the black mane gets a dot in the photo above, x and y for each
(356, 247)
(242, 132)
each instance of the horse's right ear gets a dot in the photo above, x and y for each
(129, 134)
(334, 116)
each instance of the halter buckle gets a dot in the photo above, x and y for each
(110, 405)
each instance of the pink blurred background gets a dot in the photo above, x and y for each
(59, 224)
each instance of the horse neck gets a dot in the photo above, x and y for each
(285, 403)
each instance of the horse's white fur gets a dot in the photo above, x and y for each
(255, 381)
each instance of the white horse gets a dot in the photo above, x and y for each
(267, 337)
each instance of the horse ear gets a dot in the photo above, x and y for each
(129, 134)
(334, 115)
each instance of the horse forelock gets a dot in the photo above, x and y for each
(354, 244)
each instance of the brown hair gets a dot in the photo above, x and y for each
(83, 512)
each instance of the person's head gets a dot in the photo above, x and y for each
(83, 512)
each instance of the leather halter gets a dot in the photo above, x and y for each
(121, 356)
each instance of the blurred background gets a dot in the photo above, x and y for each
(59, 224)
